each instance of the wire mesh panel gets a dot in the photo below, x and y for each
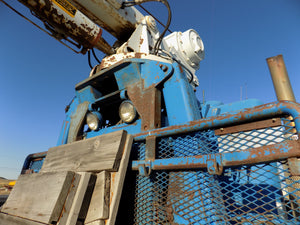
(264, 193)
(36, 165)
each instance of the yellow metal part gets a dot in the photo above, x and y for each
(12, 183)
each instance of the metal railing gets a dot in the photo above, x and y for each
(238, 168)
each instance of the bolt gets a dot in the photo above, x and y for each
(163, 67)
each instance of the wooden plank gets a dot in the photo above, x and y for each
(6, 219)
(97, 222)
(66, 213)
(117, 181)
(99, 205)
(87, 199)
(40, 196)
(90, 155)
(78, 199)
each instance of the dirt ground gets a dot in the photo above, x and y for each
(4, 190)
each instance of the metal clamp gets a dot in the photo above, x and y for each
(145, 169)
(214, 166)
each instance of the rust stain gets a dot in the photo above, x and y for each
(227, 119)
(141, 41)
(112, 180)
(82, 33)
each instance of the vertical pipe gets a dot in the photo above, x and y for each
(280, 79)
(284, 91)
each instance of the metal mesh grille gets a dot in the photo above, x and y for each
(258, 194)
(36, 165)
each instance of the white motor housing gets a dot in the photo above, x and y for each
(187, 48)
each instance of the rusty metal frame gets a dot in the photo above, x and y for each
(274, 122)
(30, 158)
(258, 113)
(148, 105)
(214, 163)
(259, 117)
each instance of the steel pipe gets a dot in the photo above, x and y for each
(280, 78)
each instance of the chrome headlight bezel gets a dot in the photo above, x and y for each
(127, 112)
(94, 120)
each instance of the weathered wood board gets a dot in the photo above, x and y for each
(39, 197)
(12, 220)
(68, 213)
(117, 181)
(99, 206)
(73, 213)
(91, 155)
(56, 195)
(97, 222)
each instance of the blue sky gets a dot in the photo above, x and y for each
(38, 74)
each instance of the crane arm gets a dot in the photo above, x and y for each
(64, 20)
(110, 15)
(83, 20)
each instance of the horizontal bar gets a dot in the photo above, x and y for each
(274, 122)
(262, 112)
(263, 154)
(268, 153)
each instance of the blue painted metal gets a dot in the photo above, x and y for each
(266, 111)
(194, 191)
(182, 109)
(88, 93)
(180, 99)
(70, 110)
(150, 73)
(269, 153)
(215, 108)
(33, 162)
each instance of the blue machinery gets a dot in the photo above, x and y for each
(192, 163)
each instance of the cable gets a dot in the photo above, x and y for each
(157, 44)
(165, 2)
(30, 21)
(89, 59)
(147, 11)
(94, 54)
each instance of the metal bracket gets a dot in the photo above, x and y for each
(145, 169)
(214, 165)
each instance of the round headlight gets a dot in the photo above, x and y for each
(127, 111)
(93, 120)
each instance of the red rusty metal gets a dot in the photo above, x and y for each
(147, 103)
(150, 147)
(114, 59)
(274, 122)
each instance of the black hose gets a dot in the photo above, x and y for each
(94, 54)
(89, 59)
